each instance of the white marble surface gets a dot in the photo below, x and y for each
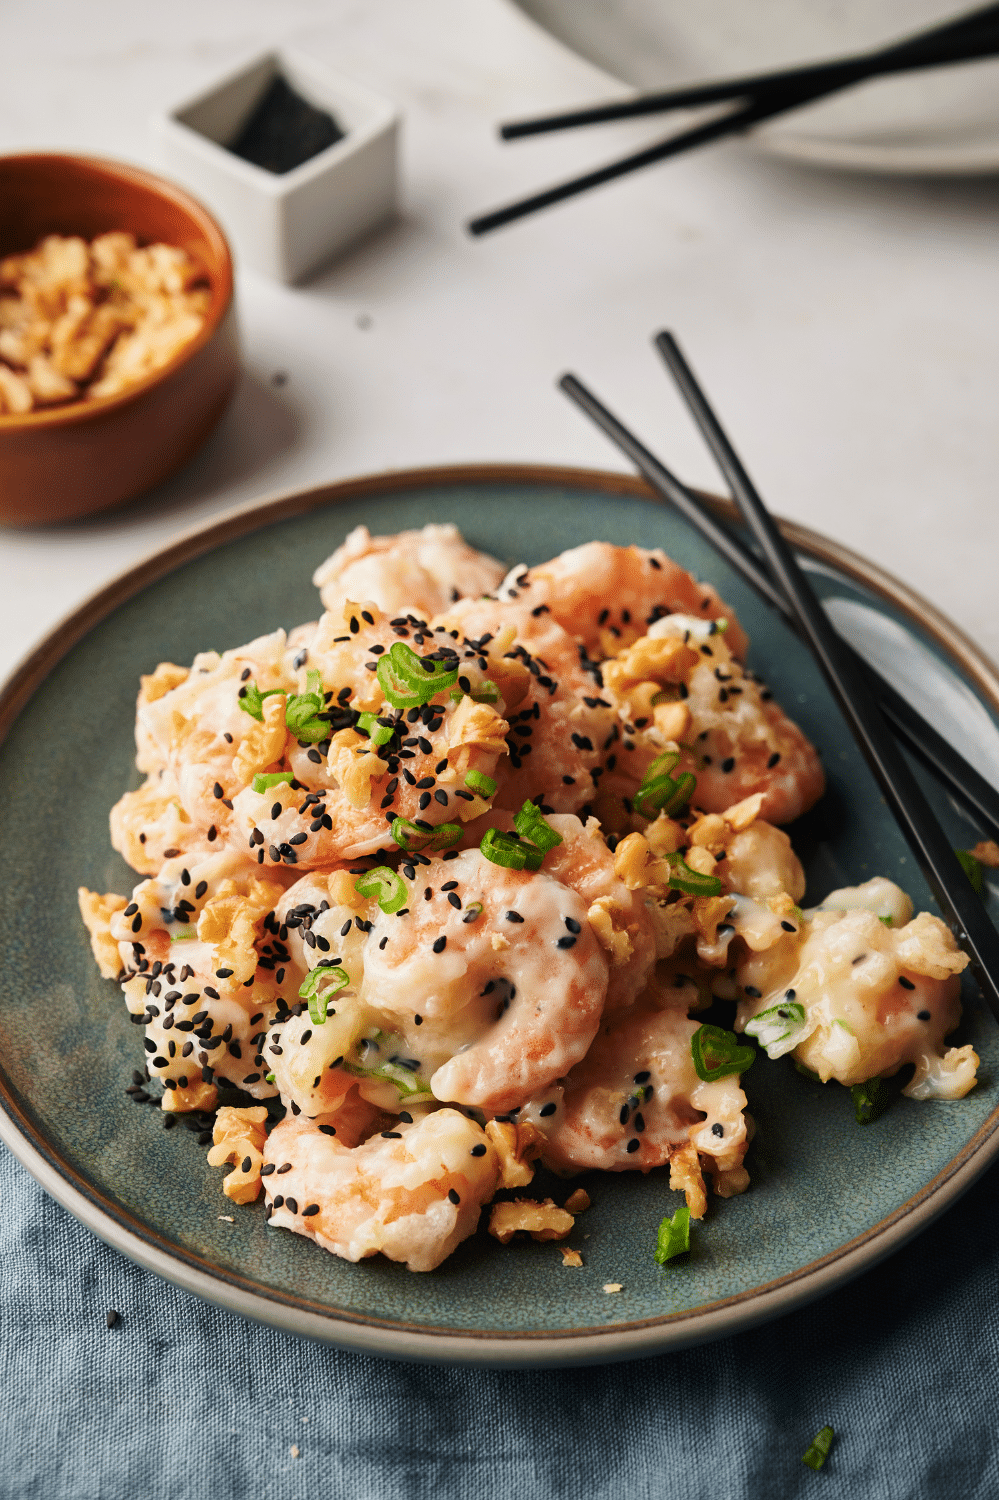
(845, 326)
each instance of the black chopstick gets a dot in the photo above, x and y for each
(977, 41)
(927, 49)
(963, 781)
(962, 908)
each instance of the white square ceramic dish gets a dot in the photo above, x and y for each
(286, 225)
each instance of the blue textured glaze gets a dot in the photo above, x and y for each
(67, 1047)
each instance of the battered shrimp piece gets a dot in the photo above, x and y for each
(856, 998)
(623, 919)
(419, 571)
(636, 1101)
(413, 1193)
(201, 972)
(492, 985)
(607, 597)
(351, 784)
(742, 741)
(205, 745)
(559, 733)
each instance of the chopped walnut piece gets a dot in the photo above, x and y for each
(340, 884)
(742, 814)
(239, 1137)
(601, 917)
(498, 942)
(673, 720)
(155, 685)
(230, 921)
(264, 743)
(570, 1257)
(517, 1145)
(708, 912)
(475, 726)
(727, 1184)
(355, 766)
(577, 1202)
(686, 1178)
(709, 832)
(700, 860)
(196, 1096)
(611, 1286)
(542, 1220)
(97, 912)
(631, 860)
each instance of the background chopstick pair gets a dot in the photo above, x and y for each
(757, 98)
(872, 708)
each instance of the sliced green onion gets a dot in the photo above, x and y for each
(477, 782)
(472, 911)
(531, 825)
(780, 1028)
(182, 937)
(816, 1454)
(309, 990)
(673, 1237)
(511, 852)
(413, 840)
(683, 878)
(717, 1054)
(972, 868)
(800, 1067)
(406, 682)
(273, 778)
(384, 886)
(379, 734)
(252, 701)
(886, 921)
(870, 1099)
(302, 708)
(268, 1077)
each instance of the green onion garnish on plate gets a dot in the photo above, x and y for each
(870, 1099)
(816, 1454)
(302, 708)
(263, 783)
(409, 681)
(319, 1001)
(384, 886)
(252, 700)
(683, 878)
(673, 1237)
(483, 786)
(972, 868)
(414, 840)
(531, 825)
(379, 734)
(717, 1053)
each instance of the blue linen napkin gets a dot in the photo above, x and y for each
(182, 1401)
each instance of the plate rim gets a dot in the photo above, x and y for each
(605, 1344)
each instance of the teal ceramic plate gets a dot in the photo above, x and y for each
(828, 1198)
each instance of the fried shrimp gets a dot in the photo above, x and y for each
(492, 981)
(200, 972)
(855, 993)
(682, 686)
(413, 1192)
(419, 571)
(560, 731)
(607, 597)
(636, 1101)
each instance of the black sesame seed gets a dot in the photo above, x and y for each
(566, 942)
(453, 1196)
(513, 916)
(439, 945)
(632, 1146)
(572, 925)
(906, 983)
(479, 1150)
(292, 1205)
(923, 1015)
(313, 1208)
(547, 1109)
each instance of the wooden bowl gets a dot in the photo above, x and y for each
(67, 461)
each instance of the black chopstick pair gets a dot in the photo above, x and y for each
(870, 706)
(766, 95)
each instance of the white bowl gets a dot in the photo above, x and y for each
(286, 225)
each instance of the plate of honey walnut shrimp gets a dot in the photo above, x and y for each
(518, 962)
